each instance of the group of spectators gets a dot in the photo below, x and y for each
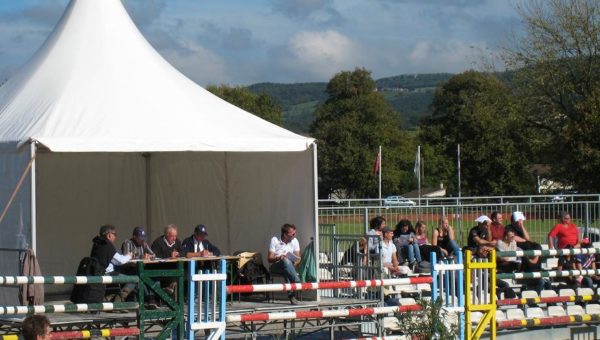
(491, 233)
(410, 246)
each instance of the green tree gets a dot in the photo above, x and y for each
(349, 127)
(261, 105)
(557, 77)
(476, 110)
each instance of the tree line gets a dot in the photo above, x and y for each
(544, 110)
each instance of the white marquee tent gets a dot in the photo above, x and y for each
(114, 134)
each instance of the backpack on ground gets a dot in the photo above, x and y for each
(89, 293)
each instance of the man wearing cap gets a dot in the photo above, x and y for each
(480, 236)
(138, 249)
(284, 256)
(521, 233)
(197, 245)
(137, 246)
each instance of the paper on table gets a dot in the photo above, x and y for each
(292, 257)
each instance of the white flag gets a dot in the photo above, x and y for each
(418, 162)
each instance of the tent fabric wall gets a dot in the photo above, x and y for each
(15, 227)
(266, 191)
(243, 198)
(79, 192)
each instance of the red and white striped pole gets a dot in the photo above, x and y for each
(282, 287)
(320, 314)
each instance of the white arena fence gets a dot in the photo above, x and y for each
(352, 216)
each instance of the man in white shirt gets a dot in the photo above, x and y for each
(284, 256)
(389, 256)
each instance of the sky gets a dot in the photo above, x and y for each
(242, 42)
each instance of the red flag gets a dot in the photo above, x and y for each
(377, 163)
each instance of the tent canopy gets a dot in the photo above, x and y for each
(97, 85)
(121, 137)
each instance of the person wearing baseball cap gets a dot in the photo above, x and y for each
(138, 249)
(137, 246)
(480, 236)
(521, 234)
(198, 245)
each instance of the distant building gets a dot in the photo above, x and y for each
(545, 183)
(427, 192)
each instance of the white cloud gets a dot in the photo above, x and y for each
(198, 63)
(322, 52)
(448, 56)
(420, 52)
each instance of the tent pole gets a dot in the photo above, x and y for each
(316, 208)
(32, 152)
(227, 218)
(148, 183)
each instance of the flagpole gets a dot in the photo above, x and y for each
(419, 173)
(458, 166)
(380, 165)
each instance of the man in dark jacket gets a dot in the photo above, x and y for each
(198, 246)
(103, 249)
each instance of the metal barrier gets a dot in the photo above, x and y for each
(480, 294)
(540, 211)
(341, 258)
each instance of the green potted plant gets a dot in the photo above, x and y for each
(431, 322)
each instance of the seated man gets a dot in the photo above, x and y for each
(197, 245)
(480, 236)
(167, 245)
(136, 246)
(138, 249)
(507, 243)
(164, 247)
(521, 234)
(103, 250)
(36, 327)
(497, 228)
(533, 264)
(284, 256)
(389, 255)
